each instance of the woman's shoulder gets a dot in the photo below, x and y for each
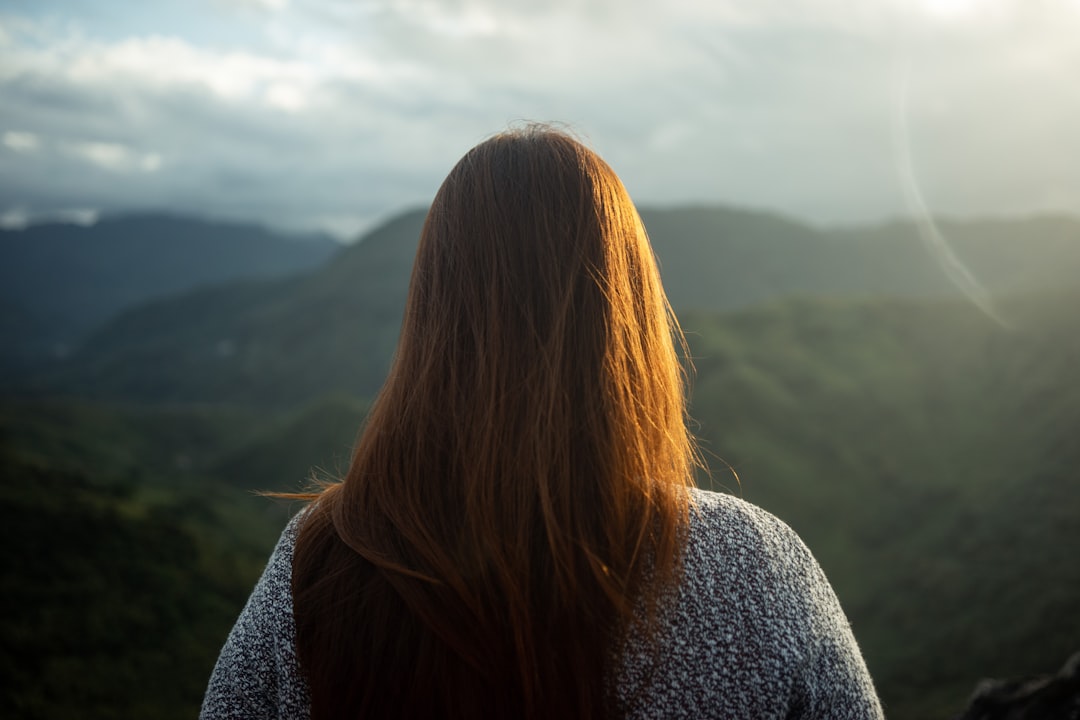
(727, 528)
(257, 674)
(744, 629)
(712, 506)
(711, 503)
(278, 571)
(741, 559)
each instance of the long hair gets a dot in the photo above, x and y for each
(519, 492)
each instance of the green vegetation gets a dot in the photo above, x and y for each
(332, 331)
(59, 281)
(925, 453)
(127, 563)
(928, 458)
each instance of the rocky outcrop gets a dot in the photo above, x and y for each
(1052, 697)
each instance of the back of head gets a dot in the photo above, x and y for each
(520, 485)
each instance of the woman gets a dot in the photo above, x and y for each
(517, 535)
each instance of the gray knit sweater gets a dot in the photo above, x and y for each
(754, 631)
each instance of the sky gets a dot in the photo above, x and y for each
(337, 114)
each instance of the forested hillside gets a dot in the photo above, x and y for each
(926, 452)
(333, 330)
(928, 456)
(126, 566)
(60, 281)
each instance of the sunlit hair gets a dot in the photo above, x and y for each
(521, 484)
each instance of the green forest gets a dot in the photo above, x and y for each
(925, 452)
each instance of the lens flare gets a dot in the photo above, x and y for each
(935, 241)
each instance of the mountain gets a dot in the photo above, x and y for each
(928, 456)
(925, 453)
(333, 329)
(130, 569)
(60, 281)
(715, 258)
(279, 341)
(316, 442)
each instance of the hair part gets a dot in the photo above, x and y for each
(520, 489)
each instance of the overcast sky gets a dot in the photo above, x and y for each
(335, 114)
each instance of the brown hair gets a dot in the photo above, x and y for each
(521, 484)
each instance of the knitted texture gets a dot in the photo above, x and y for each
(753, 631)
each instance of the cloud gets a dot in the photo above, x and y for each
(115, 156)
(337, 112)
(155, 62)
(22, 142)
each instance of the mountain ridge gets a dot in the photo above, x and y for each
(59, 281)
(332, 328)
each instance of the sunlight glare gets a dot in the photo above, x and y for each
(950, 8)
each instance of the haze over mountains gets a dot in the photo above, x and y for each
(58, 281)
(332, 329)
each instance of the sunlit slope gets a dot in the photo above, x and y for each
(333, 330)
(715, 258)
(930, 459)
